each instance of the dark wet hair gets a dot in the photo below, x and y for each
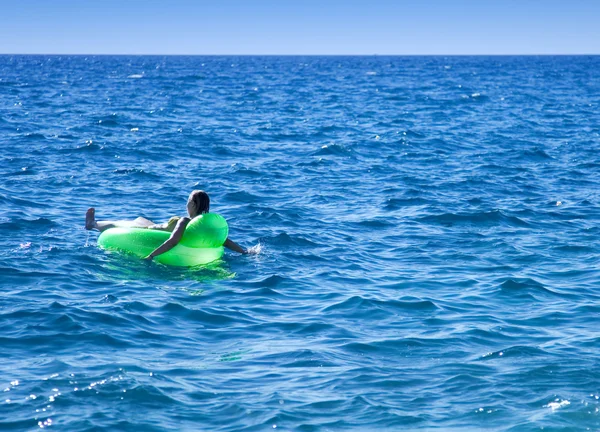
(201, 201)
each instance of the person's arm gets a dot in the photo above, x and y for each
(230, 244)
(173, 239)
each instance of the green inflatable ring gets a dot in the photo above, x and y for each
(202, 241)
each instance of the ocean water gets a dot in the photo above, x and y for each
(428, 231)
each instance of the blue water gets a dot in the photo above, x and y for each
(428, 231)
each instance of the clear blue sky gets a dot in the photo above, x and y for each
(300, 27)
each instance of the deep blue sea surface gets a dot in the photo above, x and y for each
(428, 229)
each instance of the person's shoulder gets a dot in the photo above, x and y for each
(173, 220)
(182, 224)
(177, 219)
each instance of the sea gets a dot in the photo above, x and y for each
(426, 236)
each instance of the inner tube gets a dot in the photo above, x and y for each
(202, 241)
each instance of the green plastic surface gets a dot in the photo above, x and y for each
(202, 241)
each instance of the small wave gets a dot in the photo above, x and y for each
(34, 136)
(302, 358)
(535, 155)
(10, 272)
(67, 137)
(27, 224)
(313, 163)
(501, 169)
(221, 150)
(141, 394)
(333, 150)
(136, 172)
(412, 134)
(330, 130)
(575, 249)
(272, 281)
(136, 76)
(248, 172)
(394, 347)
(195, 77)
(491, 218)
(272, 217)
(524, 287)
(206, 317)
(479, 96)
(515, 351)
(398, 203)
(25, 171)
(22, 202)
(109, 121)
(263, 295)
(588, 165)
(242, 197)
(398, 98)
(93, 338)
(284, 239)
(362, 305)
(137, 306)
(375, 223)
(89, 146)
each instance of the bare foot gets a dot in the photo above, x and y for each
(90, 221)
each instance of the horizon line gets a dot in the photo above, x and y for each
(305, 55)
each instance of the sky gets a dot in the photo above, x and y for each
(301, 27)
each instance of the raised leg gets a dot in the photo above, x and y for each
(142, 222)
(90, 219)
(91, 222)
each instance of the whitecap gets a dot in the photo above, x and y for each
(557, 404)
(255, 250)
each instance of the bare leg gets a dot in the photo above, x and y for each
(91, 222)
(142, 222)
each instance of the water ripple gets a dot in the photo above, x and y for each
(427, 227)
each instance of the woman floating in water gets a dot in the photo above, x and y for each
(198, 203)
